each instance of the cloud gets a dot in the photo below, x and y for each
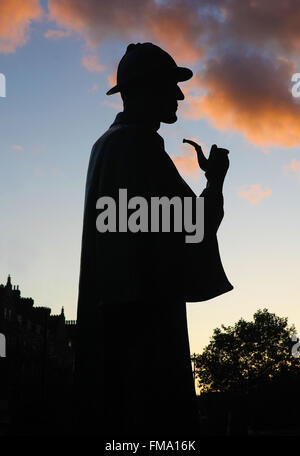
(241, 87)
(92, 64)
(187, 164)
(275, 25)
(179, 27)
(187, 27)
(15, 20)
(38, 149)
(247, 51)
(112, 79)
(294, 167)
(94, 88)
(253, 193)
(17, 147)
(174, 24)
(117, 106)
(56, 35)
(249, 94)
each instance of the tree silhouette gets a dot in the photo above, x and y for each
(248, 355)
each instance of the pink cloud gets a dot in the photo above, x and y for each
(240, 89)
(247, 48)
(253, 193)
(112, 79)
(174, 24)
(92, 64)
(187, 164)
(294, 167)
(16, 17)
(233, 97)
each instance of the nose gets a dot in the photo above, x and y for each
(179, 93)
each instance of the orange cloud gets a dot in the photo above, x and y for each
(242, 91)
(249, 94)
(178, 28)
(240, 88)
(245, 87)
(186, 27)
(15, 19)
(294, 167)
(91, 63)
(187, 164)
(112, 79)
(253, 193)
(175, 25)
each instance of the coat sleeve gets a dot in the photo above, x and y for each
(194, 270)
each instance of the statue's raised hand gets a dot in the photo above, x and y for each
(216, 165)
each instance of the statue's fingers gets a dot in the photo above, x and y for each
(219, 150)
(223, 152)
(218, 153)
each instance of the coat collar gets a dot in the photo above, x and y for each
(124, 118)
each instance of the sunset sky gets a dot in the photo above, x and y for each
(60, 57)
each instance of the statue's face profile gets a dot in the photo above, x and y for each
(165, 101)
(155, 100)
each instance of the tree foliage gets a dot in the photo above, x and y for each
(248, 354)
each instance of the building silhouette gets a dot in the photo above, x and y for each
(39, 363)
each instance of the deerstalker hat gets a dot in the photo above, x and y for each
(147, 62)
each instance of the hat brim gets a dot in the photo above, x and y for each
(183, 74)
(178, 73)
(113, 90)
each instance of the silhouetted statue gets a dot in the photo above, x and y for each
(133, 368)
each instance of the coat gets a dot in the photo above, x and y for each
(138, 267)
(129, 266)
